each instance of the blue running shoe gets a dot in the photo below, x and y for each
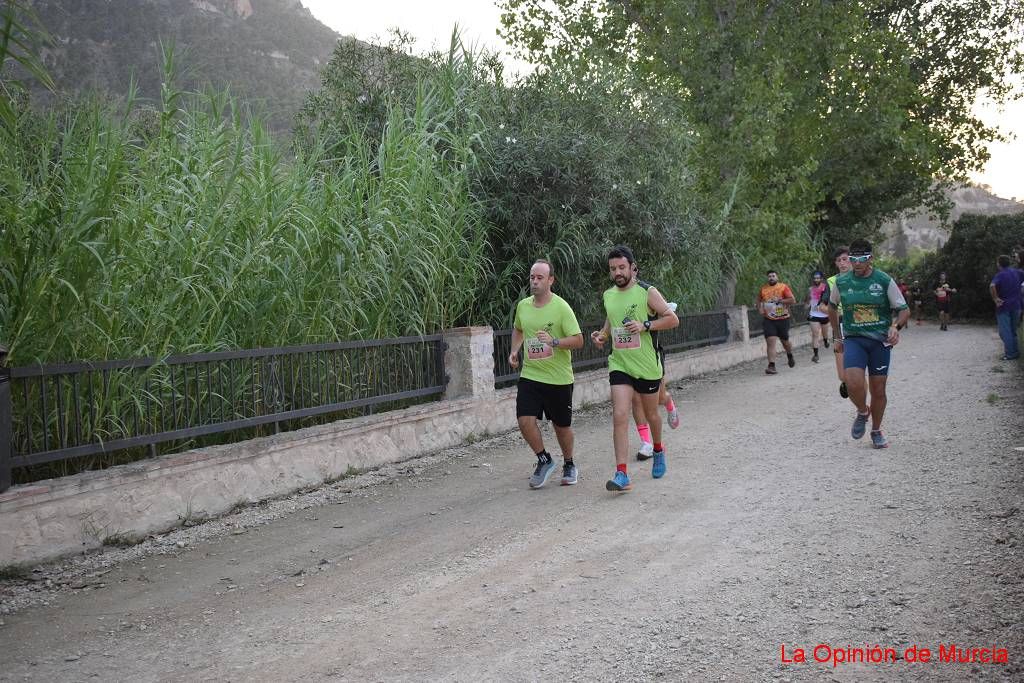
(545, 466)
(878, 439)
(658, 468)
(860, 425)
(619, 483)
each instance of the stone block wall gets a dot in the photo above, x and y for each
(48, 519)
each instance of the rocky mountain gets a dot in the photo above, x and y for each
(268, 52)
(921, 231)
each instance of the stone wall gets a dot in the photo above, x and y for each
(48, 519)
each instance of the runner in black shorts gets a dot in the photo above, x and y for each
(774, 301)
(777, 328)
(540, 400)
(545, 328)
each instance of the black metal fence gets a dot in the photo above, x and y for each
(58, 412)
(700, 329)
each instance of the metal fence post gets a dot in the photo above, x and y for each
(6, 416)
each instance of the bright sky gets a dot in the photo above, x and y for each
(431, 22)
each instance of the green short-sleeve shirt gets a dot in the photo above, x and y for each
(543, 362)
(633, 354)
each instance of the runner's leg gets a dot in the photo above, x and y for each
(622, 404)
(566, 440)
(878, 400)
(530, 430)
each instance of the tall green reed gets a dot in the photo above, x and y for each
(187, 229)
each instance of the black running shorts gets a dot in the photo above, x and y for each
(777, 328)
(640, 386)
(540, 400)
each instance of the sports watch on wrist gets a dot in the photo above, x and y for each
(647, 325)
(554, 341)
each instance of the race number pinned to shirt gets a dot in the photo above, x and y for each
(774, 309)
(865, 314)
(624, 340)
(538, 350)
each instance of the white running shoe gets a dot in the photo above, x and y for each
(646, 451)
(673, 419)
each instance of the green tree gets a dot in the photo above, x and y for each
(969, 259)
(840, 114)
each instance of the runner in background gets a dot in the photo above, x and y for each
(943, 299)
(643, 430)
(774, 301)
(917, 296)
(816, 295)
(841, 259)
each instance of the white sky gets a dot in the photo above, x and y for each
(431, 22)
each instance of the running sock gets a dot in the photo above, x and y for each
(545, 455)
(659, 448)
(644, 430)
(621, 468)
(568, 461)
(670, 406)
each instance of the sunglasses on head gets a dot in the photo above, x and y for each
(859, 258)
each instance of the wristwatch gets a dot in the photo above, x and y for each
(554, 341)
(647, 325)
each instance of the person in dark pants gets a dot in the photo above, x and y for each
(943, 299)
(1006, 293)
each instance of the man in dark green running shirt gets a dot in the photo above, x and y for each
(869, 298)
(632, 313)
(548, 328)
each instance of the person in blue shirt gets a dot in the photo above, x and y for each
(1006, 293)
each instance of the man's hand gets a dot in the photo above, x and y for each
(634, 327)
(597, 338)
(513, 359)
(837, 345)
(893, 338)
(543, 336)
(998, 301)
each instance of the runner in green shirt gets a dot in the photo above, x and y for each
(869, 298)
(632, 312)
(547, 327)
(841, 257)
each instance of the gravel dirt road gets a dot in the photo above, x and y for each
(772, 528)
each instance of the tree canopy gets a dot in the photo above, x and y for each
(806, 115)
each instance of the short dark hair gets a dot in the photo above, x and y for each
(772, 270)
(839, 251)
(860, 247)
(551, 268)
(1003, 261)
(622, 251)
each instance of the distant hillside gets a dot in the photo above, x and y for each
(923, 232)
(268, 52)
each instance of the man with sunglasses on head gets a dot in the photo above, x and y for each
(869, 298)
